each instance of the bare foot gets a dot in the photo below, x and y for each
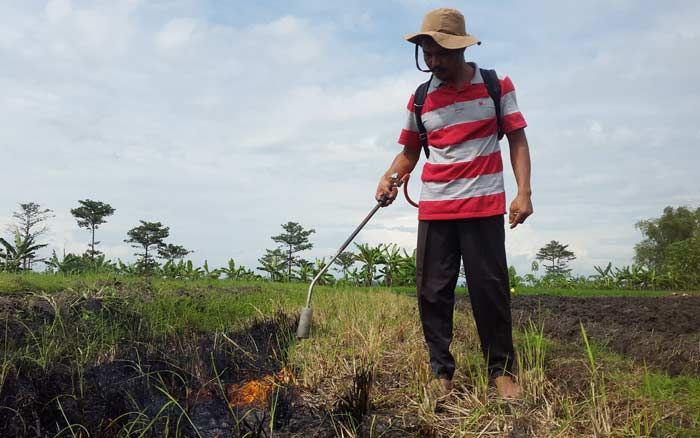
(436, 392)
(446, 385)
(507, 388)
(439, 388)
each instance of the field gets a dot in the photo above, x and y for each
(100, 356)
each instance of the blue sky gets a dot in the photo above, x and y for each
(224, 120)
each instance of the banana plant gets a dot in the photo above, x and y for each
(19, 256)
(68, 264)
(623, 277)
(305, 273)
(604, 276)
(214, 273)
(406, 275)
(515, 280)
(99, 263)
(127, 269)
(189, 271)
(370, 257)
(531, 280)
(10, 260)
(274, 263)
(344, 262)
(327, 277)
(233, 272)
(391, 257)
(354, 276)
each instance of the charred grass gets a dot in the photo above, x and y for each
(113, 359)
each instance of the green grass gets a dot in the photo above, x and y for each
(216, 308)
(682, 390)
(665, 397)
(38, 282)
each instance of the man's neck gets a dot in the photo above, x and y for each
(463, 77)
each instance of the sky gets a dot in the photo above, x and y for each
(225, 119)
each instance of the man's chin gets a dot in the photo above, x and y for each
(440, 75)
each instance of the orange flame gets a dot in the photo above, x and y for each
(256, 392)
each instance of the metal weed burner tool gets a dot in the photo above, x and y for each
(304, 327)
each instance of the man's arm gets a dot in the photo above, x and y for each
(521, 207)
(404, 162)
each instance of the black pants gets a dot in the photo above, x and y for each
(481, 244)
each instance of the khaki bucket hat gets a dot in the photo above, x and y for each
(446, 27)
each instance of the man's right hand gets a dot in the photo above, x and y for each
(403, 164)
(385, 188)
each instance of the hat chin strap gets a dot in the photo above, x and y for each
(418, 65)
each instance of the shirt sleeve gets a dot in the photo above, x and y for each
(409, 133)
(512, 117)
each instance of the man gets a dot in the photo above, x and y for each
(462, 199)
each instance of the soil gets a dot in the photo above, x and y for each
(662, 332)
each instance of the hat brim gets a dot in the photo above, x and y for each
(445, 40)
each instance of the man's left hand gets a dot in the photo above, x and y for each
(520, 209)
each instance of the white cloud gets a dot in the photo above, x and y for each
(175, 33)
(57, 10)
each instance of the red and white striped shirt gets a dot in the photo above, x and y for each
(463, 177)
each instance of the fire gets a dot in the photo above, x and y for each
(256, 392)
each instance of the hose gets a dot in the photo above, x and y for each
(404, 181)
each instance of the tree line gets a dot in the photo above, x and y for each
(384, 264)
(667, 258)
(20, 251)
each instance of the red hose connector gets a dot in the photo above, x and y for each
(404, 180)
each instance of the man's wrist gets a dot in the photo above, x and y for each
(525, 192)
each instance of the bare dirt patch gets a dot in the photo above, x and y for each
(664, 332)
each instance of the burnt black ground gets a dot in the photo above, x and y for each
(112, 394)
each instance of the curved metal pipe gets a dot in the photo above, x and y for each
(304, 327)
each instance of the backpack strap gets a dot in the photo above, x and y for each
(418, 101)
(494, 88)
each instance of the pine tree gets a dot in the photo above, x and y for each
(147, 235)
(295, 239)
(558, 256)
(90, 215)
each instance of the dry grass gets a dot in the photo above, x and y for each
(570, 394)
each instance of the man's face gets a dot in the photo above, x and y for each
(444, 63)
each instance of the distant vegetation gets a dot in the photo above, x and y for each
(668, 257)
